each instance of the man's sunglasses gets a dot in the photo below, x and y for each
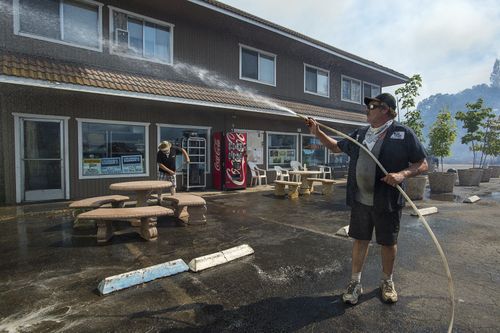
(374, 106)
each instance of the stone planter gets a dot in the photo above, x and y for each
(415, 187)
(469, 177)
(430, 164)
(495, 171)
(442, 182)
(486, 175)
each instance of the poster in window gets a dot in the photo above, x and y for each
(255, 146)
(111, 166)
(91, 167)
(132, 164)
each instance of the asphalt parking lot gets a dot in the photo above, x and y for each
(49, 270)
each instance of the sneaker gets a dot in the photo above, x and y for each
(389, 294)
(354, 290)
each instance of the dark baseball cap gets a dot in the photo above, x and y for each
(385, 98)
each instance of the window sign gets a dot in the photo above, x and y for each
(132, 164)
(111, 166)
(91, 167)
(282, 149)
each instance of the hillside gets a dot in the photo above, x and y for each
(456, 102)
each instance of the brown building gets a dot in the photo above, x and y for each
(88, 89)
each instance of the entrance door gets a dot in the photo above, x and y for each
(42, 159)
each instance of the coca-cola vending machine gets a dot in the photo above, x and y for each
(230, 160)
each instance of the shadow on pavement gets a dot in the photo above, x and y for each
(289, 314)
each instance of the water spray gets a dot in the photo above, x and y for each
(213, 80)
(451, 288)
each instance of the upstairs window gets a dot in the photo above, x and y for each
(370, 90)
(258, 66)
(316, 81)
(141, 37)
(70, 22)
(351, 90)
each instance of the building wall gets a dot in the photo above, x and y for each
(210, 40)
(3, 155)
(29, 100)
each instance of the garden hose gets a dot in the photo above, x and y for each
(421, 218)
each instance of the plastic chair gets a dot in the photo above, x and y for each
(325, 170)
(281, 173)
(296, 166)
(257, 174)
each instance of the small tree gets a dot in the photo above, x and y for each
(406, 95)
(491, 140)
(473, 120)
(442, 134)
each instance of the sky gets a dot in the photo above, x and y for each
(452, 44)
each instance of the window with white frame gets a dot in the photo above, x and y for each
(370, 90)
(176, 134)
(316, 81)
(70, 22)
(351, 90)
(256, 65)
(281, 149)
(140, 37)
(112, 148)
(313, 151)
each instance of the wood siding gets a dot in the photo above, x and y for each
(42, 101)
(210, 40)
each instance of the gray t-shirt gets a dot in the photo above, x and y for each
(365, 174)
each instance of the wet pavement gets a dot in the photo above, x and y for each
(49, 270)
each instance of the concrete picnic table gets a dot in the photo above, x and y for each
(142, 188)
(305, 186)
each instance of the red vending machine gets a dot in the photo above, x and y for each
(230, 160)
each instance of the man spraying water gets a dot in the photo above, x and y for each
(373, 197)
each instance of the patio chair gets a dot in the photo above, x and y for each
(281, 173)
(325, 170)
(257, 174)
(296, 166)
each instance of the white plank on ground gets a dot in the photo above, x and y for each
(425, 211)
(129, 279)
(219, 258)
(472, 199)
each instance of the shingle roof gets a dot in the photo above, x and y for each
(56, 71)
(303, 37)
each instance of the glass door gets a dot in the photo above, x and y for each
(42, 159)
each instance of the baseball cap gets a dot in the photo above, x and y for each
(385, 98)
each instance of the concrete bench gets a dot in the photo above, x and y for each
(96, 202)
(83, 205)
(106, 216)
(293, 188)
(189, 208)
(327, 187)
